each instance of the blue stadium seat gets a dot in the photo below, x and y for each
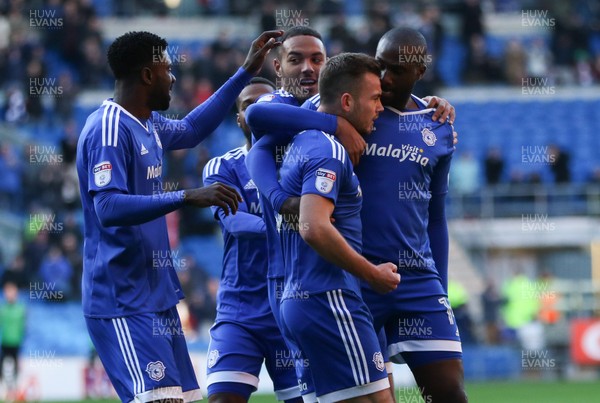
(451, 61)
(513, 125)
(55, 328)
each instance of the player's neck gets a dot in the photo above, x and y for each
(328, 109)
(411, 104)
(129, 98)
(404, 103)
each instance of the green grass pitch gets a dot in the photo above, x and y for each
(492, 392)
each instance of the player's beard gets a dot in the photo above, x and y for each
(160, 100)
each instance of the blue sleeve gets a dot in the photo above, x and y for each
(437, 228)
(243, 224)
(204, 119)
(285, 121)
(261, 165)
(324, 170)
(108, 165)
(114, 208)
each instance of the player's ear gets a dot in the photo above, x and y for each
(346, 102)
(421, 71)
(277, 67)
(237, 119)
(146, 75)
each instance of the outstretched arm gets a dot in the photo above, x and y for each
(205, 118)
(115, 208)
(284, 121)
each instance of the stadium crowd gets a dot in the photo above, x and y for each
(43, 71)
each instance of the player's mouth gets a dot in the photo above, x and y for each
(308, 82)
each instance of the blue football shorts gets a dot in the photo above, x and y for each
(420, 329)
(146, 356)
(236, 353)
(305, 382)
(334, 332)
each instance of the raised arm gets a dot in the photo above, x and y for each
(204, 119)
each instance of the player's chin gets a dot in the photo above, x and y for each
(164, 104)
(309, 90)
(367, 130)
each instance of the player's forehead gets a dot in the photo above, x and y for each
(372, 81)
(391, 51)
(371, 84)
(387, 52)
(305, 45)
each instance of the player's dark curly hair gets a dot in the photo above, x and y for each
(342, 73)
(256, 80)
(298, 30)
(134, 50)
(261, 80)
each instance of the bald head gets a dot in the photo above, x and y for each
(404, 41)
(402, 54)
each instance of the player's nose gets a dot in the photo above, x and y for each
(307, 67)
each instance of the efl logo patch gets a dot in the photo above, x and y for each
(428, 137)
(156, 370)
(325, 180)
(266, 98)
(102, 173)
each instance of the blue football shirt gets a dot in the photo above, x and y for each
(316, 163)
(126, 269)
(406, 163)
(242, 294)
